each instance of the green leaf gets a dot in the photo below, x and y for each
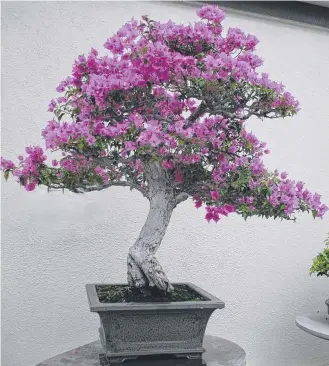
(22, 180)
(6, 174)
(314, 213)
(80, 146)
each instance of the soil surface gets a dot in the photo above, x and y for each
(125, 293)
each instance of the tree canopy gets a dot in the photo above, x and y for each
(177, 94)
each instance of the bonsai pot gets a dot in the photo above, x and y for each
(132, 329)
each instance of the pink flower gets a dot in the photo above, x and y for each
(209, 216)
(60, 88)
(214, 195)
(30, 187)
(91, 140)
(178, 176)
(229, 208)
(51, 106)
(7, 164)
(61, 100)
(99, 170)
(168, 164)
(215, 212)
(17, 173)
(198, 204)
(94, 52)
(130, 145)
(211, 13)
(322, 210)
(300, 185)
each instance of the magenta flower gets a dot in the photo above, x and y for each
(7, 164)
(30, 187)
(211, 13)
(214, 195)
(52, 106)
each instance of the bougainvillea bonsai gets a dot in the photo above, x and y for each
(164, 112)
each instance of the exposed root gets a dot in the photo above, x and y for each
(151, 269)
(136, 277)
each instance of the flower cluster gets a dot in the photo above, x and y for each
(212, 14)
(57, 134)
(290, 194)
(102, 173)
(27, 172)
(214, 212)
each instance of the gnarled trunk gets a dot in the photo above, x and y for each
(143, 267)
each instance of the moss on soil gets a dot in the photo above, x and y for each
(125, 293)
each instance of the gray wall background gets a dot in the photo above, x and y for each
(52, 244)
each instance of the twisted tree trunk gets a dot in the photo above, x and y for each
(144, 270)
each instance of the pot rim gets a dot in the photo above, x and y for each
(211, 301)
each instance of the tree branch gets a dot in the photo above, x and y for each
(86, 188)
(196, 114)
(260, 115)
(181, 197)
(223, 113)
(159, 118)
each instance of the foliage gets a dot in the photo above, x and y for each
(321, 262)
(179, 94)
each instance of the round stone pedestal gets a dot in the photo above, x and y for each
(315, 323)
(219, 352)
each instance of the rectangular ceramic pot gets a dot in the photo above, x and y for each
(130, 330)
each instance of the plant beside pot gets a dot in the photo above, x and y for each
(320, 264)
(165, 113)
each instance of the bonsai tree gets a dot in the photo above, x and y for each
(321, 262)
(164, 111)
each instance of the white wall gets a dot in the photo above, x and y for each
(55, 243)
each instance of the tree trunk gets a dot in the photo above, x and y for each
(144, 270)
